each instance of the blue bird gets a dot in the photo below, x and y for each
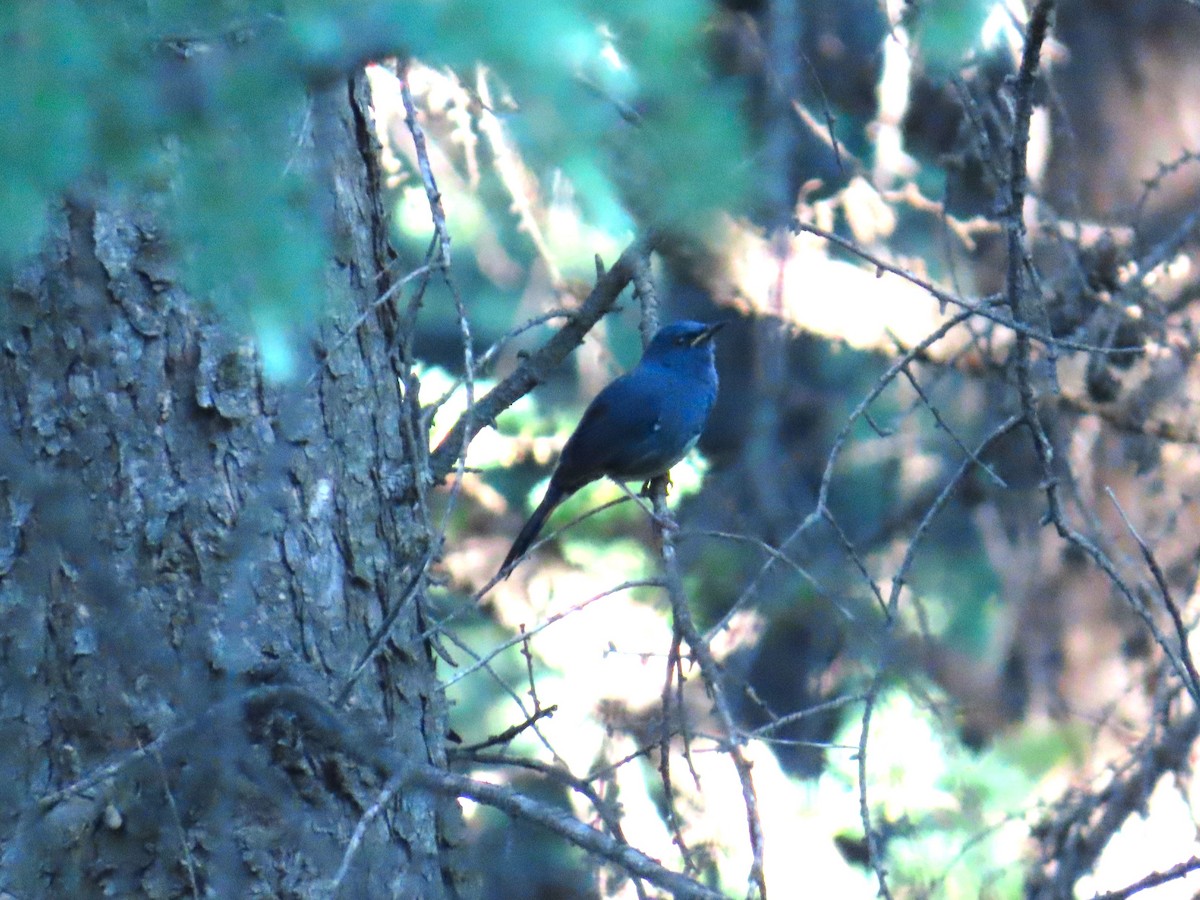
(640, 425)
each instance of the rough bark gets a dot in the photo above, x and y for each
(177, 535)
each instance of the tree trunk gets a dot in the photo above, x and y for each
(193, 560)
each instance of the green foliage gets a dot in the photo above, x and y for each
(47, 129)
(203, 102)
(952, 817)
(947, 30)
(956, 584)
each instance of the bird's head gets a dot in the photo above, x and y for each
(682, 340)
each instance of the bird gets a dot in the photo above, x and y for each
(637, 427)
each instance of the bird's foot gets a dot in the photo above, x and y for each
(649, 487)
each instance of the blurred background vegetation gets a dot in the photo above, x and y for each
(561, 129)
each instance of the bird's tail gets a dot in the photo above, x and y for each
(554, 496)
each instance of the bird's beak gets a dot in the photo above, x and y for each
(707, 334)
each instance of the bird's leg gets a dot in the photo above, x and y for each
(650, 489)
(664, 479)
(641, 497)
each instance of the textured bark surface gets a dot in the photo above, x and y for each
(176, 535)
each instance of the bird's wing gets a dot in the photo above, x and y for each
(615, 424)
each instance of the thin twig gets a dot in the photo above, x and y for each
(1185, 664)
(1154, 879)
(609, 813)
(566, 826)
(546, 623)
(508, 735)
(383, 298)
(375, 642)
(985, 308)
(882, 673)
(370, 814)
(433, 195)
(665, 528)
(189, 861)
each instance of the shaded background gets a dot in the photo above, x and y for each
(859, 543)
